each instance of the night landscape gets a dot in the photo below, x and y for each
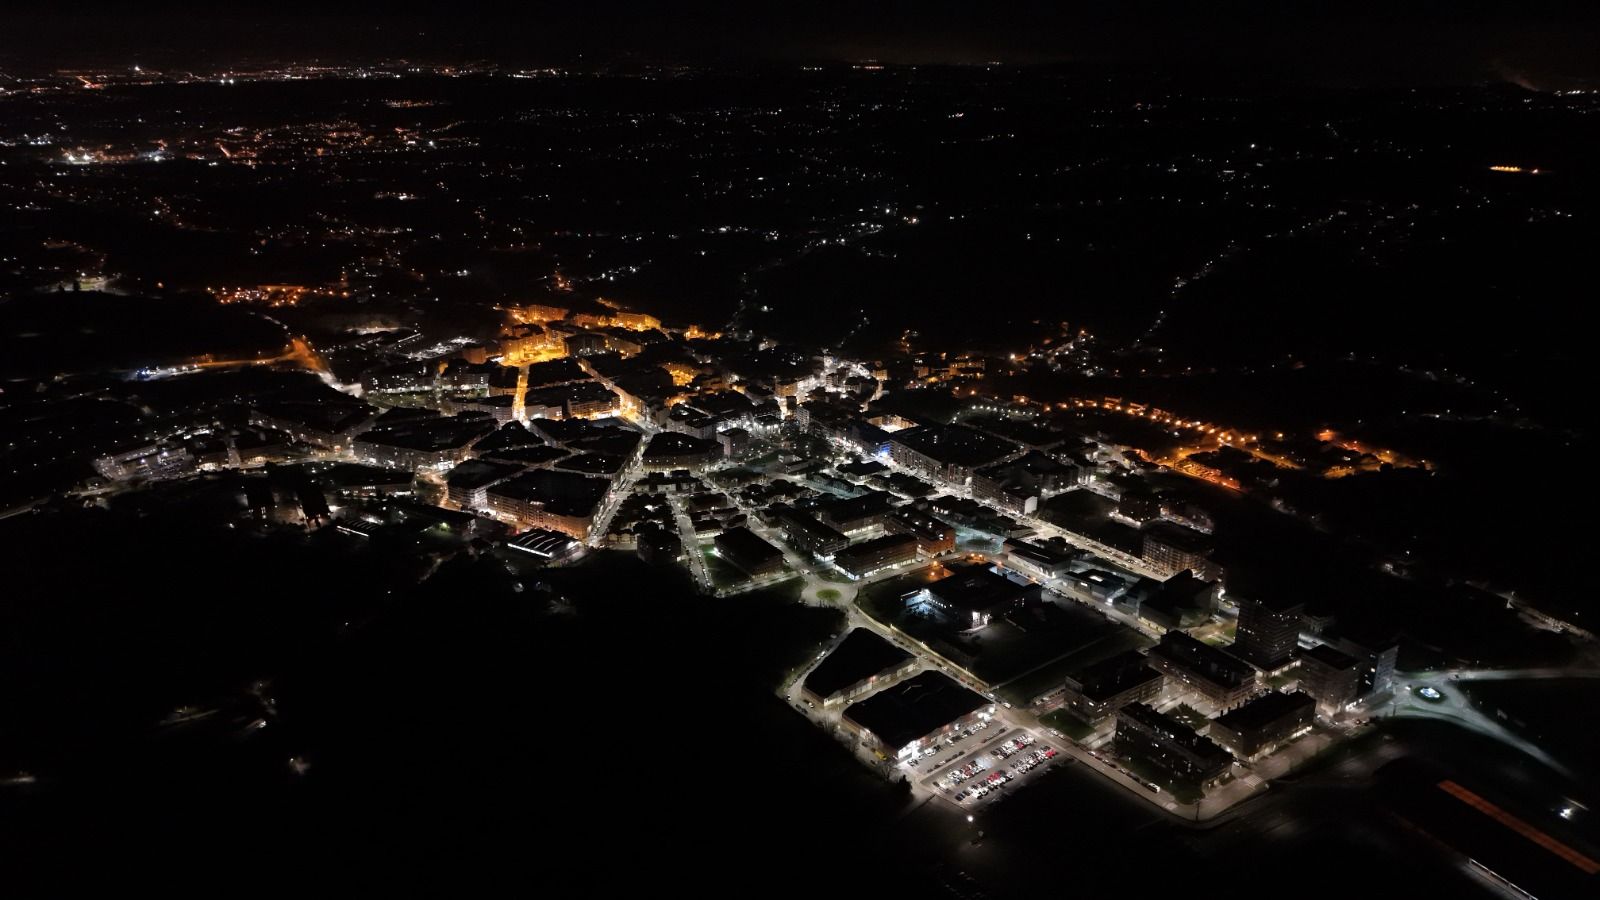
(1098, 451)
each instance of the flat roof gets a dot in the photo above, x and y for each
(914, 708)
(668, 444)
(954, 444)
(1264, 710)
(849, 555)
(1203, 659)
(1114, 674)
(563, 493)
(976, 588)
(555, 371)
(1175, 731)
(747, 545)
(542, 543)
(861, 655)
(1331, 657)
(479, 473)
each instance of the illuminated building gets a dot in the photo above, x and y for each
(468, 484)
(1331, 677)
(804, 532)
(899, 721)
(860, 662)
(1268, 633)
(857, 516)
(870, 556)
(933, 536)
(144, 461)
(1218, 677)
(1101, 689)
(973, 596)
(1170, 549)
(669, 450)
(950, 453)
(541, 498)
(749, 552)
(1142, 733)
(1261, 725)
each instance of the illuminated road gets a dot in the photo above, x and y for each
(1452, 704)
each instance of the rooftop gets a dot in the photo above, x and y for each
(914, 708)
(1113, 675)
(1203, 659)
(955, 444)
(1264, 710)
(861, 655)
(977, 588)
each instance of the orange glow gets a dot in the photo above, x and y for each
(1583, 863)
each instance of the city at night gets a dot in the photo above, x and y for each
(950, 449)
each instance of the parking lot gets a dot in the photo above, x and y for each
(983, 763)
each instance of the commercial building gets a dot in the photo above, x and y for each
(1143, 733)
(1181, 602)
(1331, 677)
(806, 534)
(544, 544)
(467, 485)
(870, 556)
(1260, 726)
(933, 536)
(749, 552)
(144, 461)
(1269, 631)
(421, 439)
(1039, 560)
(670, 450)
(1107, 686)
(857, 515)
(1018, 485)
(862, 661)
(950, 453)
(577, 400)
(1377, 652)
(1220, 678)
(330, 425)
(900, 720)
(1170, 549)
(973, 596)
(542, 498)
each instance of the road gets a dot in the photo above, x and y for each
(691, 546)
(1453, 705)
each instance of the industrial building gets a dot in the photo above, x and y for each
(862, 661)
(901, 720)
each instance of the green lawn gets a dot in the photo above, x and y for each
(723, 573)
(828, 594)
(1067, 724)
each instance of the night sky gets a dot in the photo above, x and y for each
(1539, 45)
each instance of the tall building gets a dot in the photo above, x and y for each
(1269, 632)
(1331, 677)
(1377, 652)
